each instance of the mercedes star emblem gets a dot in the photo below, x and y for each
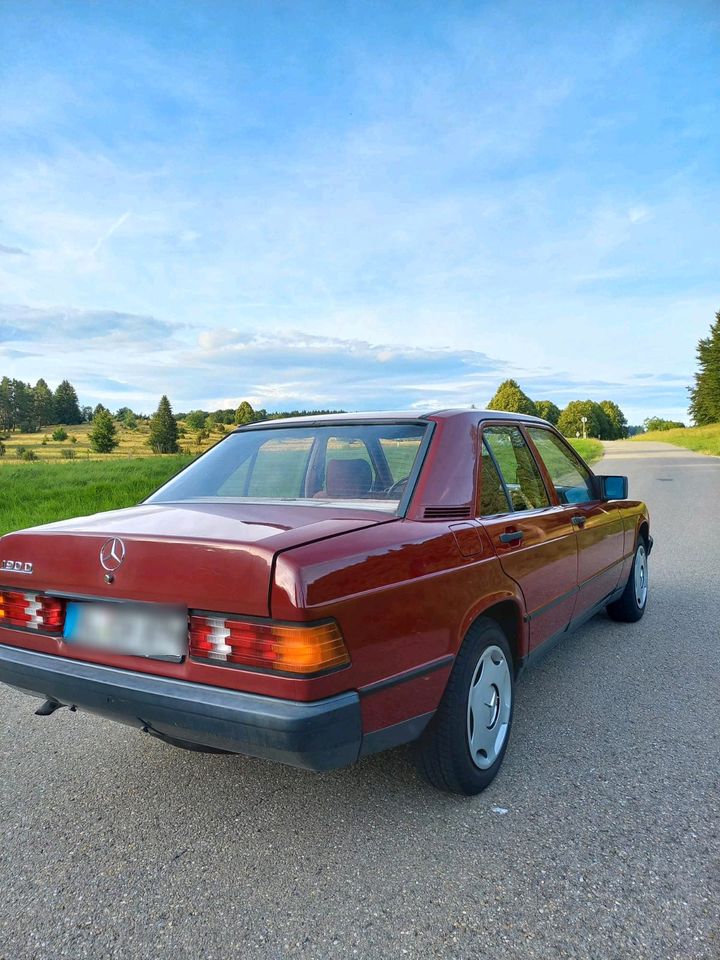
(112, 554)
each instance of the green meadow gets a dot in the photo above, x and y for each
(700, 439)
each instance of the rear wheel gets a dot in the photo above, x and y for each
(630, 607)
(464, 745)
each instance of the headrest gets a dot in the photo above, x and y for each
(348, 478)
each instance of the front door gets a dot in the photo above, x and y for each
(598, 523)
(535, 540)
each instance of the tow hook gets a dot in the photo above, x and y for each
(48, 707)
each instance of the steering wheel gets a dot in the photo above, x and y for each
(396, 487)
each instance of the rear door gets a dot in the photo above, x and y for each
(598, 523)
(534, 538)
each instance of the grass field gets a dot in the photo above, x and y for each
(55, 488)
(700, 439)
(589, 450)
(133, 443)
(34, 493)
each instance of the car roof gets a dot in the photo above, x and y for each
(403, 416)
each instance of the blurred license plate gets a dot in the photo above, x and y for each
(135, 629)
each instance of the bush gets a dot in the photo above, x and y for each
(29, 455)
(68, 453)
(2, 449)
(73, 438)
(60, 434)
(44, 441)
(19, 451)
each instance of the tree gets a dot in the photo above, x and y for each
(658, 423)
(7, 419)
(244, 414)
(43, 404)
(23, 406)
(163, 429)
(598, 424)
(195, 420)
(510, 397)
(66, 404)
(127, 417)
(102, 436)
(547, 410)
(705, 395)
(616, 418)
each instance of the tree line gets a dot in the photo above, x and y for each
(29, 409)
(603, 421)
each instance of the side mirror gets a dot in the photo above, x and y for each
(613, 488)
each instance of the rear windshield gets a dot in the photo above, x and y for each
(369, 464)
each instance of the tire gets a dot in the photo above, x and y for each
(631, 606)
(463, 747)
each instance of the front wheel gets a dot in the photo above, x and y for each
(464, 745)
(630, 607)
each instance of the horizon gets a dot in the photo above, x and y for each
(390, 207)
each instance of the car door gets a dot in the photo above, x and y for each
(534, 539)
(598, 524)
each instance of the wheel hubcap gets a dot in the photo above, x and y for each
(489, 705)
(641, 577)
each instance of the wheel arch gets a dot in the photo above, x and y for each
(510, 617)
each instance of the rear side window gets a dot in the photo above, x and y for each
(518, 468)
(570, 478)
(492, 493)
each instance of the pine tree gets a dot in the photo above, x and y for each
(7, 418)
(163, 429)
(43, 403)
(66, 404)
(102, 436)
(23, 407)
(705, 395)
(509, 397)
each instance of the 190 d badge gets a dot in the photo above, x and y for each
(17, 566)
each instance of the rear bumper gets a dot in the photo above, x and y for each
(319, 735)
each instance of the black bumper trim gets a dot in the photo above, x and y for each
(317, 735)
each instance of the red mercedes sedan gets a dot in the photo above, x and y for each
(318, 589)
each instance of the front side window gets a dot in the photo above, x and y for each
(324, 463)
(518, 468)
(571, 480)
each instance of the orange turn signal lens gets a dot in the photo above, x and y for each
(293, 649)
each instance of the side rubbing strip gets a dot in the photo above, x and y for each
(407, 675)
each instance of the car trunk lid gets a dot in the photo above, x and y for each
(214, 556)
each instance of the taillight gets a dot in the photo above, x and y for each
(34, 611)
(288, 649)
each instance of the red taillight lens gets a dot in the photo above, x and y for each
(287, 649)
(32, 611)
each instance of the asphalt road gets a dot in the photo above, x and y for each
(599, 839)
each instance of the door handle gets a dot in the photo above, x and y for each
(514, 537)
(578, 521)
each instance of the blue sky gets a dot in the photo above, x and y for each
(362, 205)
